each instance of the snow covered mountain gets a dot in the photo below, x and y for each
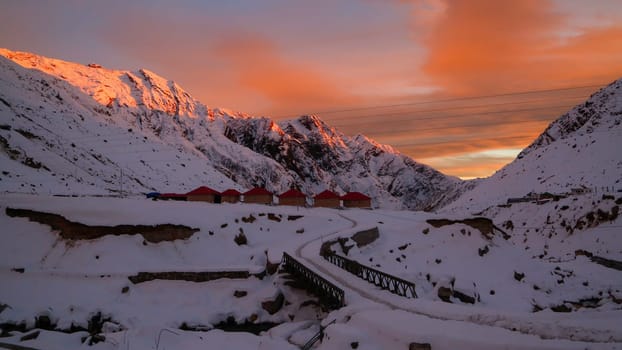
(579, 150)
(72, 128)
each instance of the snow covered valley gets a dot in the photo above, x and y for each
(530, 289)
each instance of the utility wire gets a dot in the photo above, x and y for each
(574, 100)
(467, 98)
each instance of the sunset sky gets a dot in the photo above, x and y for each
(459, 85)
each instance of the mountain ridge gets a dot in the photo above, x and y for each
(140, 111)
(580, 150)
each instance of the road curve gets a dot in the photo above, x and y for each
(522, 326)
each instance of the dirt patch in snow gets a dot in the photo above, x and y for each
(189, 276)
(363, 238)
(483, 225)
(76, 231)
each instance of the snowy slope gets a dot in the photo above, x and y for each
(72, 128)
(83, 277)
(580, 149)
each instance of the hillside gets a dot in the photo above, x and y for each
(502, 291)
(70, 128)
(581, 149)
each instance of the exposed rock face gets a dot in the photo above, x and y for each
(174, 141)
(419, 346)
(76, 231)
(187, 276)
(444, 294)
(363, 238)
(484, 225)
(576, 151)
(273, 306)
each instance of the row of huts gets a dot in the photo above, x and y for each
(259, 195)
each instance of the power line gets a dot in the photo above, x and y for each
(481, 138)
(410, 112)
(456, 116)
(467, 98)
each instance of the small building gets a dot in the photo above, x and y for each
(172, 196)
(356, 200)
(327, 199)
(230, 196)
(258, 195)
(293, 197)
(203, 194)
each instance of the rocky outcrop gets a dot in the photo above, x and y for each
(76, 231)
(484, 225)
(365, 237)
(187, 276)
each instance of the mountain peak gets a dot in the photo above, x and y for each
(601, 112)
(87, 123)
(578, 150)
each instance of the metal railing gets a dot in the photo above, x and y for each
(319, 335)
(381, 279)
(330, 295)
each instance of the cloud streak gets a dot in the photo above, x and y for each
(484, 46)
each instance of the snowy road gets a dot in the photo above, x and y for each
(546, 330)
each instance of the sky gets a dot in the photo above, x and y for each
(459, 85)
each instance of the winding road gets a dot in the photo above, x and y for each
(545, 329)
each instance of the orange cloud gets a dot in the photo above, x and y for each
(484, 46)
(487, 47)
(288, 85)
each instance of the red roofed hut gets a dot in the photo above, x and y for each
(258, 195)
(327, 199)
(356, 200)
(172, 196)
(204, 194)
(230, 196)
(293, 197)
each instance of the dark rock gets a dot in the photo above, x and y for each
(561, 308)
(273, 217)
(273, 306)
(76, 231)
(484, 225)
(444, 294)
(463, 297)
(419, 346)
(240, 293)
(363, 238)
(249, 219)
(188, 276)
(519, 276)
(44, 322)
(30, 336)
(18, 269)
(125, 289)
(230, 325)
(483, 251)
(240, 239)
(96, 338)
(354, 345)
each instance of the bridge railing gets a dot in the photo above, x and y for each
(381, 279)
(330, 295)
